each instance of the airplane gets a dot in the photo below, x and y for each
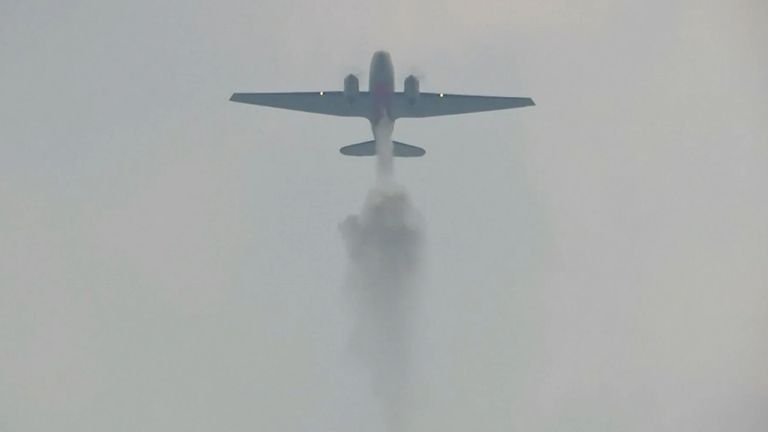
(381, 104)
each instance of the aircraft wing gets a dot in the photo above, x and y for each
(331, 103)
(440, 104)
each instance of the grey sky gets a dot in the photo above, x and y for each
(171, 261)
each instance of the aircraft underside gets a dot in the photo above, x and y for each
(381, 102)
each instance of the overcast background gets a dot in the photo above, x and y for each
(171, 261)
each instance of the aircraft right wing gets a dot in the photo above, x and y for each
(331, 103)
(440, 104)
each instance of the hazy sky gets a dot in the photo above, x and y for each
(171, 261)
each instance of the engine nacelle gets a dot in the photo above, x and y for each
(411, 88)
(351, 87)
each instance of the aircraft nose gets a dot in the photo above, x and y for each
(380, 63)
(380, 57)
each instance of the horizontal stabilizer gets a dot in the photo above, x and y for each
(368, 148)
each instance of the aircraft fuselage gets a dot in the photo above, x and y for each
(381, 85)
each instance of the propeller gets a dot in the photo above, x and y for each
(418, 73)
(357, 71)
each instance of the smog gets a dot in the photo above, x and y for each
(385, 243)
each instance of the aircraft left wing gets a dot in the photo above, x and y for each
(440, 104)
(331, 103)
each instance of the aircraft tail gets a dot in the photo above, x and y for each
(368, 148)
